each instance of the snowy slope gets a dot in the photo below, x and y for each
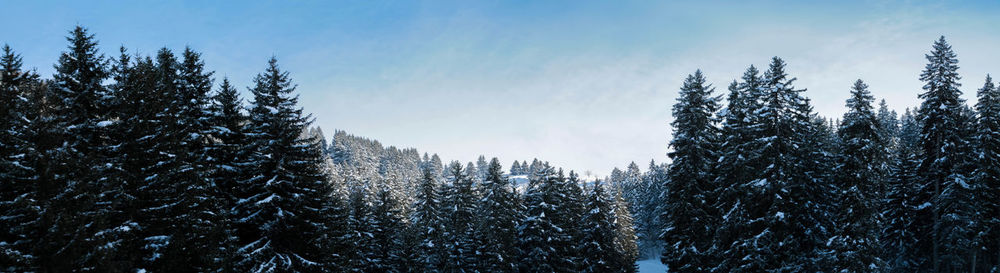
(651, 266)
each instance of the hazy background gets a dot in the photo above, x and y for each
(585, 85)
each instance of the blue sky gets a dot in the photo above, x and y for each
(585, 85)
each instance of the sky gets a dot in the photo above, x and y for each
(586, 85)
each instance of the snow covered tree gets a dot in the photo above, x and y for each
(776, 204)
(947, 191)
(734, 170)
(626, 250)
(460, 229)
(226, 156)
(387, 226)
(987, 174)
(597, 248)
(900, 234)
(543, 243)
(688, 215)
(73, 154)
(18, 202)
(860, 181)
(499, 213)
(280, 207)
(427, 221)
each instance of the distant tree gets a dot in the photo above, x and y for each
(460, 229)
(499, 214)
(598, 245)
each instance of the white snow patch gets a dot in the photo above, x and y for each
(651, 266)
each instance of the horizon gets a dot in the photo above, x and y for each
(587, 87)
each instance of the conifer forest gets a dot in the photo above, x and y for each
(131, 162)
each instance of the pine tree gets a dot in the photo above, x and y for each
(66, 188)
(499, 213)
(199, 228)
(427, 222)
(18, 203)
(626, 250)
(460, 233)
(900, 234)
(158, 196)
(387, 225)
(362, 235)
(226, 153)
(542, 242)
(281, 205)
(688, 214)
(987, 174)
(598, 245)
(733, 170)
(946, 218)
(860, 180)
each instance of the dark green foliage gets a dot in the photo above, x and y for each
(18, 202)
(288, 191)
(499, 212)
(987, 174)
(860, 170)
(688, 214)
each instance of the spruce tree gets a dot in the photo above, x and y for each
(860, 180)
(460, 229)
(226, 155)
(73, 155)
(428, 222)
(199, 226)
(626, 250)
(18, 202)
(281, 204)
(947, 192)
(733, 169)
(688, 214)
(987, 174)
(900, 235)
(598, 245)
(387, 227)
(542, 242)
(499, 213)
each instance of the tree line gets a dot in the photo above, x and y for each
(144, 164)
(763, 184)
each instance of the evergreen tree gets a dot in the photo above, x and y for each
(427, 222)
(362, 235)
(18, 203)
(987, 174)
(900, 234)
(860, 182)
(499, 213)
(598, 244)
(460, 229)
(947, 192)
(733, 170)
(281, 205)
(626, 250)
(387, 225)
(73, 155)
(542, 242)
(199, 225)
(225, 159)
(688, 214)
